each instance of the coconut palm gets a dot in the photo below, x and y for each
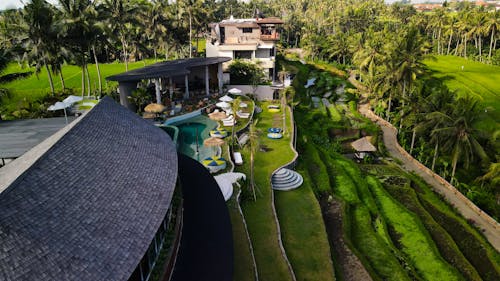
(78, 32)
(39, 17)
(121, 16)
(491, 25)
(458, 134)
(438, 102)
(253, 140)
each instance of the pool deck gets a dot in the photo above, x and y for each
(19, 136)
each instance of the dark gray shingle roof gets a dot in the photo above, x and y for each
(89, 207)
(165, 69)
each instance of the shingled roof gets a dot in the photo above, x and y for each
(90, 206)
(165, 69)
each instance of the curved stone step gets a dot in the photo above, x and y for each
(286, 179)
(289, 178)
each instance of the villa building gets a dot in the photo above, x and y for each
(249, 39)
(101, 199)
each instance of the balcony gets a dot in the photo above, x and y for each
(270, 37)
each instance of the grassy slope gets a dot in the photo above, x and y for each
(415, 240)
(304, 234)
(477, 79)
(243, 264)
(258, 214)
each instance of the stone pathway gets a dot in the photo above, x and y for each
(490, 228)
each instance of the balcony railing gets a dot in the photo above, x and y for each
(269, 37)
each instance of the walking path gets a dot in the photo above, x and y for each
(490, 228)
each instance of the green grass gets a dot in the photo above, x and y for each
(476, 79)
(36, 86)
(415, 241)
(303, 232)
(243, 264)
(370, 243)
(450, 251)
(258, 214)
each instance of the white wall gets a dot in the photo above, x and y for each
(263, 92)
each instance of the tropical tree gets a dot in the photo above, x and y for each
(458, 132)
(253, 139)
(491, 25)
(39, 17)
(121, 16)
(438, 103)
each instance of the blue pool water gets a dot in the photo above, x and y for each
(192, 132)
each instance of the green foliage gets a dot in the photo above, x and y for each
(246, 73)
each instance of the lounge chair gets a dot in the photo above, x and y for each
(243, 139)
(243, 114)
(238, 160)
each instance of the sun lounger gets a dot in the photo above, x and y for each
(237, 158)
(243, 139)
(243, 114)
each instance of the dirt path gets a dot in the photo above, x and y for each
(351, 267)
(490, 228)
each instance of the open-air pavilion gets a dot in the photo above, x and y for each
(363, 146)
(177, 75)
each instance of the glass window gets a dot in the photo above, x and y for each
(247, 30)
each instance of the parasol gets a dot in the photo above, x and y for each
(226, 98)
(217, 115)
(223, 104)
(234, 91)
(213, 141)
(154, 108)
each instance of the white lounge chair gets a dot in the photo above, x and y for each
(238, 160)
(243, 114)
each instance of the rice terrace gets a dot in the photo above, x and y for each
(249, 140)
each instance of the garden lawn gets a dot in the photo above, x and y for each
(476, 79)
(259, 214)
(303, 232)
(243, 263)
(36, 86)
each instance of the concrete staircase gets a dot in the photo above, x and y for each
(286, 179)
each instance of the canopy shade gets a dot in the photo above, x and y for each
(226, 98)
(213, 141)
(223, 104)
(72, 99)
(217, 115)
(363, 145)
(154, 108)
(235, 91)
(57, 106)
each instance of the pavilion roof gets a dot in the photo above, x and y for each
(165, 69)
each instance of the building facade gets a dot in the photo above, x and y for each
(247, 39)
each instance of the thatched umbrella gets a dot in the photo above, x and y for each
(214, 142)
(217, 115)
(154, 108)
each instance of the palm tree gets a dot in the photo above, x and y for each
(409, 54)
(491, 25)
(39, 16)
(437, 103)
(477, 27)
(120, 16)
(253, 139)
(458, 134)
(77, 26)
(235, 106)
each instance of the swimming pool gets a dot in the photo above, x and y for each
(192, 132)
